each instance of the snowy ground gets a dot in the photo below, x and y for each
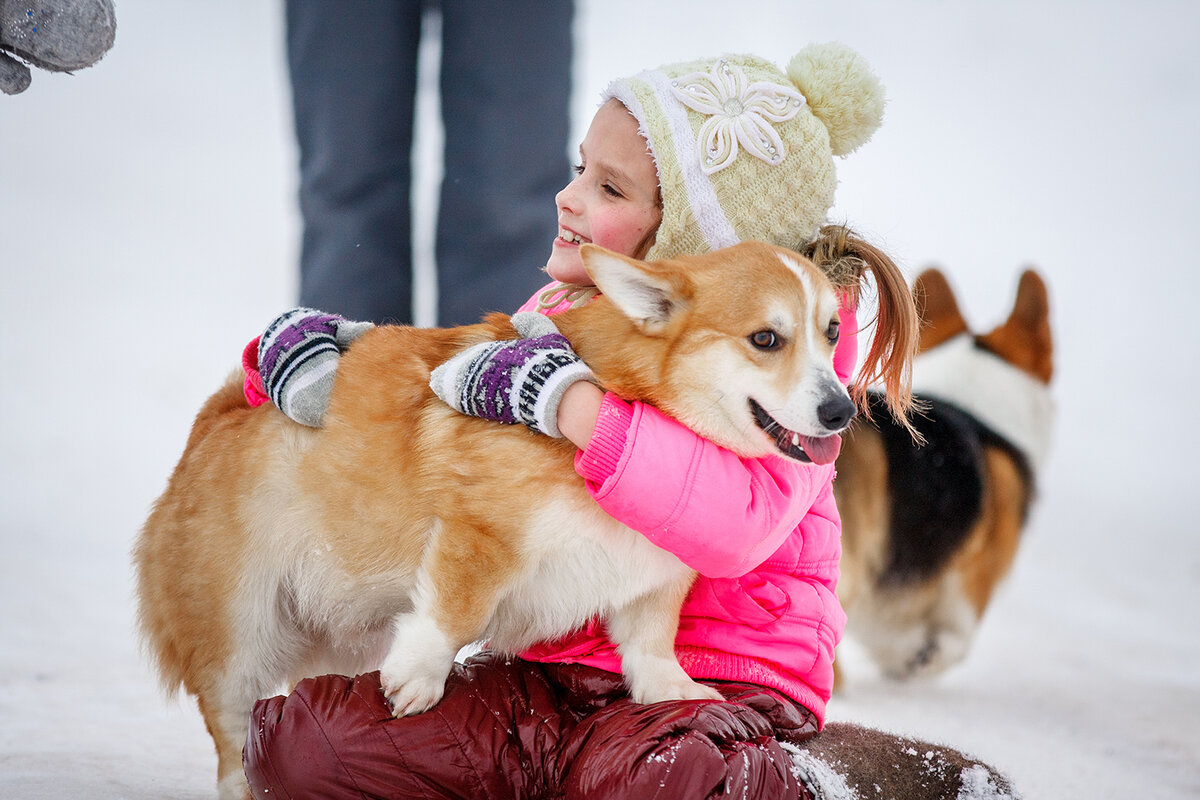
(150, 231)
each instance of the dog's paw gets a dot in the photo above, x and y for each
(684, 691)
(414, 673)
(412, 693)
(660, 680)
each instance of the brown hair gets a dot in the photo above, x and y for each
(845, 257)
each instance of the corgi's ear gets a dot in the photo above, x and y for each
(1025, 338)
(940, 318)
(645, 292)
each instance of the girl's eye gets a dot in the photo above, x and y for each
(578, 168)
(612, 192)
(766, 340)
(833, 331)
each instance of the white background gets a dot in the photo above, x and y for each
(148, 230)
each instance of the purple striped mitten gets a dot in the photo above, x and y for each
(519, 380)
(298, 357)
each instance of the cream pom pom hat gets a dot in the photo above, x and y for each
(745, 150)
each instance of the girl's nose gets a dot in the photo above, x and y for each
(565, 199)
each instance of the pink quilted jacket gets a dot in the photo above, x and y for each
(764, 534)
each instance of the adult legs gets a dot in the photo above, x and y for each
(353, 72)
(505, 86)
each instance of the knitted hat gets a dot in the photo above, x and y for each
(745, 151)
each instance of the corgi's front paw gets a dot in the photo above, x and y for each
(683, 690)
(411, 693)
(664, 679)
(414, 673)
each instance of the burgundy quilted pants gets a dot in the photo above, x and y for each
(509, 729)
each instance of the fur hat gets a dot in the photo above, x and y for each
(745, 150)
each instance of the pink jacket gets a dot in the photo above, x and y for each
(764, 535)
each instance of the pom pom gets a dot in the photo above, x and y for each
(842, 92)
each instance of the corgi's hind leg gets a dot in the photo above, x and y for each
(227, 718)
(644, 632)
(226, 694)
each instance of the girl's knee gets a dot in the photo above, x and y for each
(684, 750)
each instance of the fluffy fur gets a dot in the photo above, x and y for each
(931, 527)
(401, 530)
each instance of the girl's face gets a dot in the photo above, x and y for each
(613, 200)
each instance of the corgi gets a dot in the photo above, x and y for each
(401, 530)
(931, 528)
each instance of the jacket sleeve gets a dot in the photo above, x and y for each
(721, 514)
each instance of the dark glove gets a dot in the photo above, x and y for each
(55, 35)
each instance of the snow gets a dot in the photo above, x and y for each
(151, 231)
(814, 772)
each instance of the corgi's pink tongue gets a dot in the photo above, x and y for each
(823, 450)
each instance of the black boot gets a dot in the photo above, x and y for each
(850, 761)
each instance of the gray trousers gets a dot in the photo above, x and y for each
(505, 92)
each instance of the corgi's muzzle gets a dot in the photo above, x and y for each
(834, 414)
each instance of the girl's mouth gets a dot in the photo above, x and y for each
(570, 237)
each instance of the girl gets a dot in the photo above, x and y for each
(683, 159)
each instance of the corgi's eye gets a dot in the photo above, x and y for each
(766, 340)
(833, 331)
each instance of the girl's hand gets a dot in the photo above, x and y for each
(298, 356)
(513, 381)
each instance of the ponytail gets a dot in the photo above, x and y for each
(845, 257)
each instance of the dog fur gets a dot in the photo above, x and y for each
(400, 530)
(931, 528)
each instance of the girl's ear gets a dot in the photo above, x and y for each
(646, 293)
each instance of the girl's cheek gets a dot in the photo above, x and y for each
(621, 236)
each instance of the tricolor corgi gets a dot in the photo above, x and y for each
(401, 531)
(930, 529)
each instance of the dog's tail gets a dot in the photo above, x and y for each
(151, 553)
(845, 257)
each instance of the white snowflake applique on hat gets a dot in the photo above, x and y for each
(740, 113)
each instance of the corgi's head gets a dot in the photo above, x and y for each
(1001, 377)
(1024, 340)
(736, 344)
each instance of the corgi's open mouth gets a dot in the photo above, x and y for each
(818, 450)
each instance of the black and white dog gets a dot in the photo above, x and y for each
(930, 529)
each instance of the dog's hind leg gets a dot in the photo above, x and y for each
(227, 717)
(264, 644)
(644, 632)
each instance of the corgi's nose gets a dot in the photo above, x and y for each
(836, 412)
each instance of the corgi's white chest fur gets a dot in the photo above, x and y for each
(579, 562)
(582, 565)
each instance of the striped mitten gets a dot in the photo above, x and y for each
(298, 356)
(519, 380)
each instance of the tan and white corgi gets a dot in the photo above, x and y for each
(401, 531)
(931, 528)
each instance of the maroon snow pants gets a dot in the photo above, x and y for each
(509, 729)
